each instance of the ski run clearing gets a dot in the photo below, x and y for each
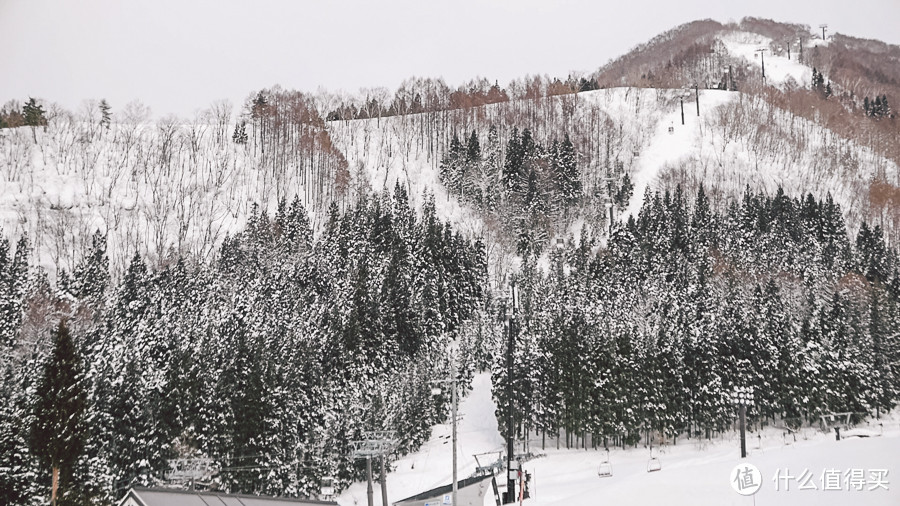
(694, 472)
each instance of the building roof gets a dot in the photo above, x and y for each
(446, 489)
(173, 497)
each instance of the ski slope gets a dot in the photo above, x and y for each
(693, 472)
(432, 465)
(779, 68)
(673, 143)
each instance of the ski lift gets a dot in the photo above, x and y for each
(653, 464)
(605, 470)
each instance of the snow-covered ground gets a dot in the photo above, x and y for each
(388, 151)
(432, 465)
(778, 66)
(672, 143)
(693, 472)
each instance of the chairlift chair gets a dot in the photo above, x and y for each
(653, 464)
(605, 470)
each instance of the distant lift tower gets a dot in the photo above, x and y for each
(823, 27)
(375, 444)
(762, 55)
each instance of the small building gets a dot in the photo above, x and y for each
(140, 496)
(470, 492)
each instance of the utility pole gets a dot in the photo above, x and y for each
(454, 401)
(742, 397)
(384, 501)
(510, 419)
(823, 27)
(369, 494)
(762, 54)
(697, 98)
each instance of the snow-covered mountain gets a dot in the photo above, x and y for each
(298, 273)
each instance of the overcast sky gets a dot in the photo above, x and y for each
(178, 56)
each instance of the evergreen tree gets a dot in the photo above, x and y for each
(473, 149)
(453, 166)
(702, 226)
(16, 472)
(818, 82)
(105, 114)
(565, 172)
(33, 116)
(240, 133)
(874, 260)
(33, 113)
(512, 167)
(58, 432)
(91, 275)
(884, 317)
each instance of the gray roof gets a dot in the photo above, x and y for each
(174, 497)
(446, 489)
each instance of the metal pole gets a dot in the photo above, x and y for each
(454, 396)
(510, 482)
(384, 501)
(369, 492)
(610, 219)
(697, 98)
(743, 431)
(762, 56)
(682, 110)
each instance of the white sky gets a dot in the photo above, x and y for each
(178, 56)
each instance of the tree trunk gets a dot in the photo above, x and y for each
(55, 485)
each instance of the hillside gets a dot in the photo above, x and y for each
(257, 289)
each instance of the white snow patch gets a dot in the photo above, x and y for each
(778, 66)
(432, 466)
(671, 142)
(694, 472)
(388, 151)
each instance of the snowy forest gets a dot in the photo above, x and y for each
(655, 331)
(270, 360)
(275, 357)
(258, 288)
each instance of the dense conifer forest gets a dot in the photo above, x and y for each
(269, 361)
(654, 330)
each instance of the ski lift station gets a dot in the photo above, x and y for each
(139, 496)
(471, 492)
